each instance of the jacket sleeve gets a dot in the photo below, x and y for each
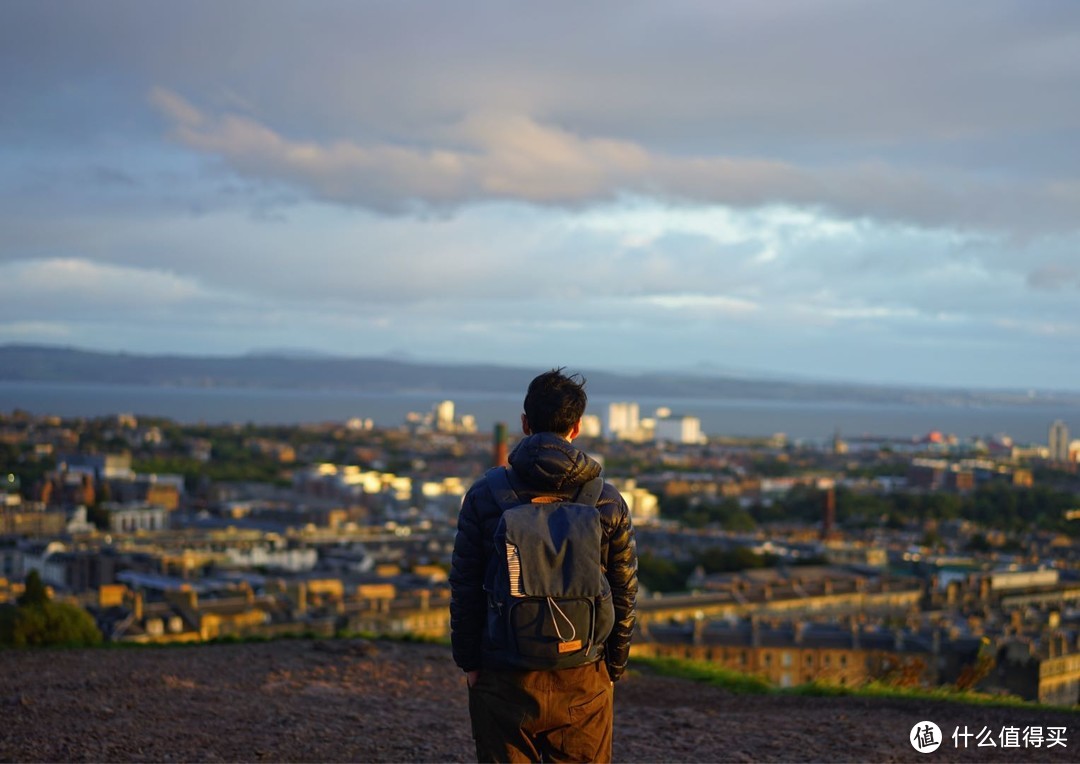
(622, 576)
(467, 599)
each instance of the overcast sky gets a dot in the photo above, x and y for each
(832, 189)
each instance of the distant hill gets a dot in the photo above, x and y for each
(30, 363)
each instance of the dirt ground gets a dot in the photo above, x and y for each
(352, 700)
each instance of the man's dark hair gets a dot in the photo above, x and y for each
(555, 402)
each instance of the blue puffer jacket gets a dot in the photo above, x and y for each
(543, 464)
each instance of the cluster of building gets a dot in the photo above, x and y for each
(1008, 631)
(964, 474)
(129, 501)
(194, 585)
(624, 422)
(359, 547)
(441, 418)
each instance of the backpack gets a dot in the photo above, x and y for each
(549, 602)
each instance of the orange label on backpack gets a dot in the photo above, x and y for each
(569, 647)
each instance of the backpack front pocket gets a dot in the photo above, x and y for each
(551, 631)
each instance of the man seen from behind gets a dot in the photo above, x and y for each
(542, 713)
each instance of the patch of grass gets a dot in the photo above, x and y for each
(944, 693)
(224, 639)
(699, 671)
(818, 689)
(749, 684)
(307, 635)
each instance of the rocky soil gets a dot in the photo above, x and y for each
(352, 700)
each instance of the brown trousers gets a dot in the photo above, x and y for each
(527, 716)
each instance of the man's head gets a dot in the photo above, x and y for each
(555, 403)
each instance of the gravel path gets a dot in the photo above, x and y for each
(352, 700)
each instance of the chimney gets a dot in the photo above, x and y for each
(137, 605)
(828, 519)
(88, 494)
(856, 642)
(755, 631)
(499, 456)
(800, 631)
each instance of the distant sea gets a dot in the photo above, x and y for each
(814, 420)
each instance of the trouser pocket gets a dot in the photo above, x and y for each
(588, 736)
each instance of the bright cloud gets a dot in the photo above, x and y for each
(84, 282)
(35, 331)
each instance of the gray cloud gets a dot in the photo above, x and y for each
(833, 93)
(1052, 277)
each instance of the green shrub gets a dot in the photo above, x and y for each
(36, 621)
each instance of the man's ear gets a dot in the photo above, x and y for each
(525, 425)
(574, 431)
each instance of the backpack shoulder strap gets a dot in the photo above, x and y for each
(589, 493)
(499, 483)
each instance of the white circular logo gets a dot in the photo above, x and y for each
(925, 737)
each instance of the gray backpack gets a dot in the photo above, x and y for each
(549, 602)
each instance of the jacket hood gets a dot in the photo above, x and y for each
(547, 461)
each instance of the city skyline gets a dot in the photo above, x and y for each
(826, 190)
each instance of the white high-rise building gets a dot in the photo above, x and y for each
(623, 420)
(679, 429)
(444, 416)
(1059, 442)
